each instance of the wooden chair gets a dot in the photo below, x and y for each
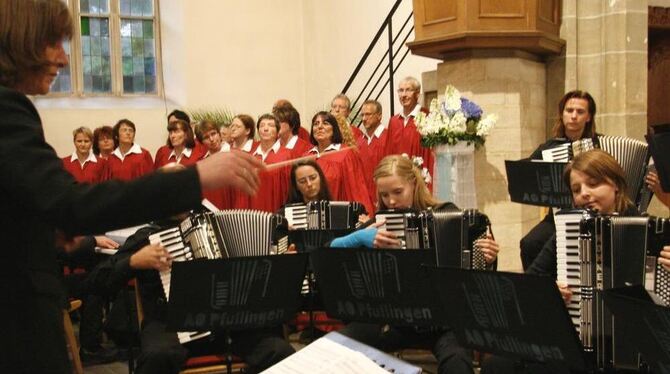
(71, 340)
(195, 365)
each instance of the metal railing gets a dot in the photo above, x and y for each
(390, 60)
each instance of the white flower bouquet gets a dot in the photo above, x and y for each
(453, 120)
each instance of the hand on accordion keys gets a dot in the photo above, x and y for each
(664, 258)
(489, 248)
(152, 256)
(383, 238)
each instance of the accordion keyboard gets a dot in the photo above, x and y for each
(568, 269)
(173, 243)
(396, 223)
(296, 215)
(557, 154)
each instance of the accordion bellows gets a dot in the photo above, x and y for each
(450, 233)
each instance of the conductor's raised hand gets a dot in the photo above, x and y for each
(152, 256)
(234, 169)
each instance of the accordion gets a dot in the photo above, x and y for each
(450, 233)
(317, 222)
(223, 234)
(595, 253)
(630, 153)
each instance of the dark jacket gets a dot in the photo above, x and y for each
(37, 196)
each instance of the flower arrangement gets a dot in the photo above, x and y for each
(418, 162)
(454, 119)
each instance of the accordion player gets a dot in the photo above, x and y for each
(222, 234)
(451, 233)
(599, 252)
(317, 222)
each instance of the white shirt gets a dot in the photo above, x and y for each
(332, 147)
(134, 149)
(186, 152)
(291, 142)
(274, 148)
(413, 113)
(247, 146)
(377, 134)
(225, 147)
(90, 158)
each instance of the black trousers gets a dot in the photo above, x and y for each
(531, 244)
(161, 352)
(451, 357)
(501, 365)
(33, 339)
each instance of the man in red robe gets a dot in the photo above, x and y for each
(372, 143)
(403, 136)
(341, 106)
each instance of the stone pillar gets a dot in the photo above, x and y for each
(605, 54)
(511, 84)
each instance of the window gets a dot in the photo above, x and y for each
(114, 49)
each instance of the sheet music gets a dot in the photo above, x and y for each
(121, 235)
(325, 357)
(105, 251)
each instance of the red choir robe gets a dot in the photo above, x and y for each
(405, 138)
(94, 169)
(220, 197)
(303, 134)
(239, 199)
(189, 156)
(356, 132)
(274, 184)
(344, 174)
(134, 164)
(297, 146)
(372, 150)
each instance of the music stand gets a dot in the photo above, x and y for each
(376, 286)
(659, 147)
(235, 293)
(514, 315)
(537, 183)
(651, 333)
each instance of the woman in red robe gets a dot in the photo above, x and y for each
(129, 160)
(242, 132)
(181, 146)
(82, 164)
(275, 182)
(209, 135)
(344, 170)
(103, 142)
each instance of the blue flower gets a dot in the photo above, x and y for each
(471, 110)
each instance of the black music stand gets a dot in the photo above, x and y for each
(514, 315)
(235, 294)
(651, 333)
(537, 183)
(659, 147)
(377, 286)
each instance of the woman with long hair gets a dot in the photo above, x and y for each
(400, 186)
(576, 120)
(343, 170)
(181, 143)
